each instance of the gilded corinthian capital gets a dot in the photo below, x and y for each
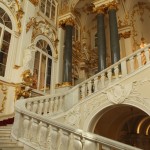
(113, 5)
(100, 10)
(68, 21)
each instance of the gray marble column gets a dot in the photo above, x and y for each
(101, 43)
(114, 38)
(67, 68)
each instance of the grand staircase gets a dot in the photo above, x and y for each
(59, 122)
(6, 142)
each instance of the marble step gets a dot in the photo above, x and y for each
(5, 140)
(4, 134)
(3, 144)
(5, 131)
(11, 148)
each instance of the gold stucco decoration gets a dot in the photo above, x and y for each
(34, 2)
(3, 97)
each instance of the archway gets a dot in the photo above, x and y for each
(124, 123)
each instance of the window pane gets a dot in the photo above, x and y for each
(1, 12)
(7, 21)
(42, 72)
(5, 47)
(3, 58)
(7, 36)
(48, 76)
(49, 50)
(2, 70)
(0, 31)
(36, 69)
(1, 21)
(53, 12)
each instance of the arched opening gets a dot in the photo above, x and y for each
(42, 66)
(5, 39)
(124, 123)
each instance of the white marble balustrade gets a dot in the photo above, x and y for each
(44, 105)
(115, 72)
(38, 132)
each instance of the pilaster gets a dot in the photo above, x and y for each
(25, 37)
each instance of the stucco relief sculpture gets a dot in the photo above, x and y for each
(118, 94)
(73, 117)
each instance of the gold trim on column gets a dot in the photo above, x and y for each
(112, 5)
(100, 10)
(34, 2)
(69, 21)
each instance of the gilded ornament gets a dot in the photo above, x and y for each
(23, 91)
(33, 23)
(112, 6)
(100, 10)
(27, 78)
(34, 2)
(4, 91)
(125, 35)
(69, 21)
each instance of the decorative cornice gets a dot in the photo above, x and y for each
(34, 2)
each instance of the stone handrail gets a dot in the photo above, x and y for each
(50, 105)
(45, 105)
(115, 72)
(38, 132)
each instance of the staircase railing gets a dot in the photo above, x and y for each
(119, 70)
(38, 132)
(61, 102)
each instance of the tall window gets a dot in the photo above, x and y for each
(42, 66)
(5, 38)
(48, 8)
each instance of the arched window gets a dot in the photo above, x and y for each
(48, 8)
(42, 66)
(5, 39)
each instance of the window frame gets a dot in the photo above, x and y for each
(43, 14)
(11, 52)
(48, 56)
